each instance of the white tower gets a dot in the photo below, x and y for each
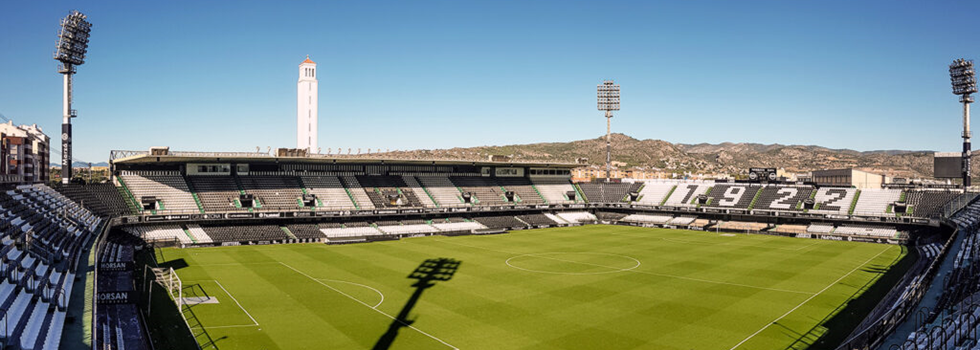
(306, 106)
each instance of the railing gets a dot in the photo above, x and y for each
(188, 215)
(11, 179)
(881, 328)
(96, 253)
(218, 154)
(118, 154)
(958, 203)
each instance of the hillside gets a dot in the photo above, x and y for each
(730, 158)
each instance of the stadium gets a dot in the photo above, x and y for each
(296, 248)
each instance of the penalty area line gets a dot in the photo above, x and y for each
(808, 299)
(237, 303)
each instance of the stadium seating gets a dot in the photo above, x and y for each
(348, 232)
(442, 189)
(498, 222)
(556, 219)
(741, 226)
(38, 276)
(274, 192)
(699, 223)
(458, 226)
(526, 194)
(554, 190)
(245, 233)
(925, 203)
(611, 217)
(536, 220)
(161, 233)
(790, 229)
(685, 193)
(103, 199)
(577, 217)
(820, 228)
(647, 219)
(486, 191)
(305, 231)
(329, 191)
(681, 221)
(833, 200)
(379, 188)
(876, 201)
(601, 192)
(358, 193)
(732, 196)
(198, 235)
(407, 229)
(783, 197)
(420, 192)
(168, 187)
(878, 232)
(217, 193)
(653, 193)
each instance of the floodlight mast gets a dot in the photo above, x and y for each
(70, 51)
(964, 81)
(608, 101)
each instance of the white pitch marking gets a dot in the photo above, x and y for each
(369, 306)
(231, 326)
(807, 300)
(236, 302)
(361, 285)
(234, 264)
(539, 255)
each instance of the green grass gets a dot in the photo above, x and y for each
(580, 288)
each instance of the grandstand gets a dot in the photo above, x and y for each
(44, 237)
(686, 194)
(654, 193)
(174, 201)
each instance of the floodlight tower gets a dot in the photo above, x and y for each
(72, 46)
(608, 98)
(964, 80)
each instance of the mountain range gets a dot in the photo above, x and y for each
(723, 158)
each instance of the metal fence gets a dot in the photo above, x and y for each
(872, 336)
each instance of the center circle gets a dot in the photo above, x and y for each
(573, 263)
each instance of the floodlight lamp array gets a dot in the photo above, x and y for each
(72, 41)
(608, 96)
(963, 78)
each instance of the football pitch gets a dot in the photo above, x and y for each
(587, 287)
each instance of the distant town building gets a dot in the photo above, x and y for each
(25, 154)
(589, 173)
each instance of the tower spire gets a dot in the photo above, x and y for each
(306, 106)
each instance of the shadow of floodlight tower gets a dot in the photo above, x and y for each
(426, 276)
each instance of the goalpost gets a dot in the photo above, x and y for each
(168, 279)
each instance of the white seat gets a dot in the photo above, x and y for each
(15, 313)
(28, 340)
(52, 341)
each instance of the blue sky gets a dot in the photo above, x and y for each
(221, 75)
